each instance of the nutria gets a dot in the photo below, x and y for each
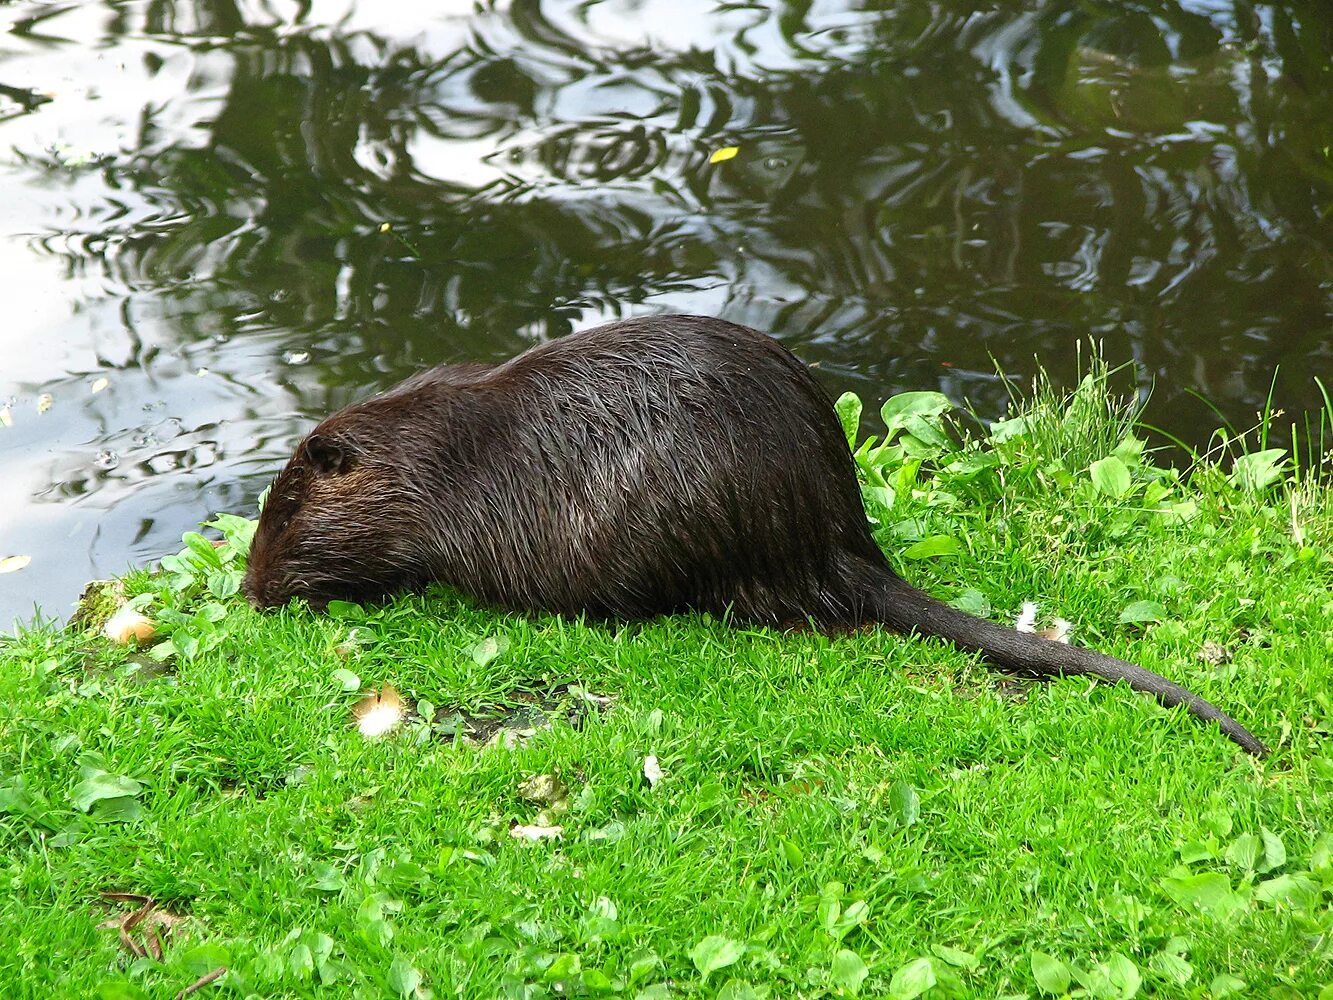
(641, 468)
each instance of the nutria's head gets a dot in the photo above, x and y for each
(342, 520)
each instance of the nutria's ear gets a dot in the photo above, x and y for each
(328, 455)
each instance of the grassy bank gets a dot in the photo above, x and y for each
(741, 813)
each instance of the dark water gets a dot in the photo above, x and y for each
(192, 198)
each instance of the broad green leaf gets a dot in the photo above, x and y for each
(739, 989)
(898, 410)
(403, 976)
(1243, 852)
(857, 913)
(1297, 892)
(565, 967)
(1219, 821)
(642, 966)
(1051, 974)
(973, 601)
(1197, 850)
(904, 803)
(1171, 967)
(956, 957)
(882, 495)
(596, 981)
(912, 979)
(1275, 852)
(488, 649)
(658, 991)
(1207, 891)
(1111, 477)
(202, 549)
(99, 785)
(848, 408)
(1255, 472)
(1142, 611)
(829, 907)
(935, 545)
(238, 531)
(715, 952)
(1321, 857)
(301, 961)
(1124, 975)
(122, 809)
(1004, 430)
(792, 852)
(1226, 985)
(347, 680)
(848, 971)
(223, 583)
(345, 610)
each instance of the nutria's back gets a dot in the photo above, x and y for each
(640, 468)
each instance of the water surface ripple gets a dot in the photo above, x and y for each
(220, 220)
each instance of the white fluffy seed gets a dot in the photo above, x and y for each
(127, 624)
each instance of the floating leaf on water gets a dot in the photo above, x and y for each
(378, 713)
(44, 402)
(724, 154)
(5, 419)
(652, 770)
(12, 564)
(99, 385)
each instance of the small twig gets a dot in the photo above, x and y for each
(201, 982)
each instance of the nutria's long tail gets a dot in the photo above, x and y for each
(906, 609)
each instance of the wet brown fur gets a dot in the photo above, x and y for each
(637, 469)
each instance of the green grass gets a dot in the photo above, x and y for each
(863, 813)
